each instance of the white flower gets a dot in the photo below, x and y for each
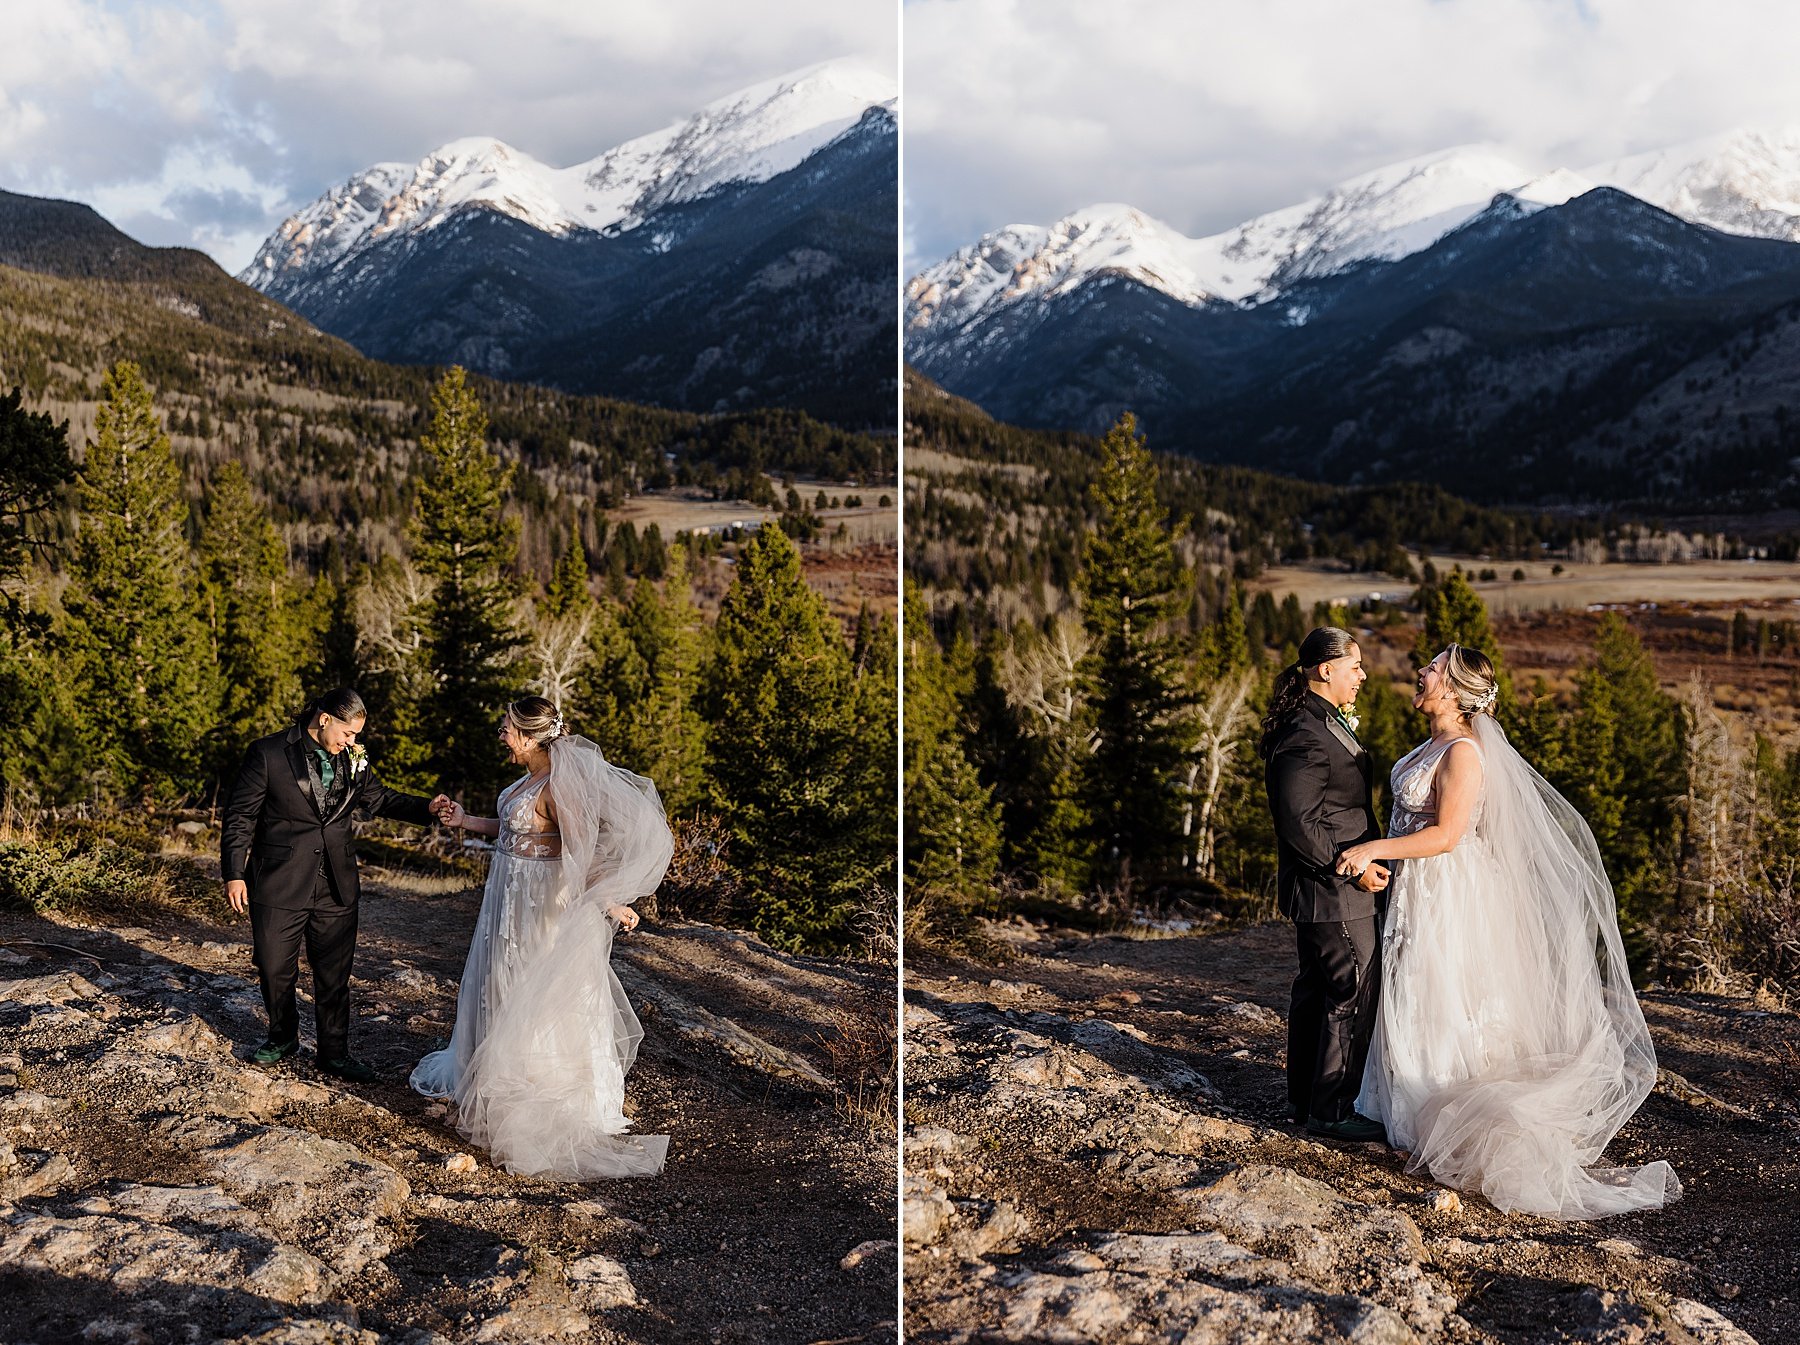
(359, 759)
(1350, 716)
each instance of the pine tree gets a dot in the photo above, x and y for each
(1626, 750)
(34, 464)
(568, 592)
(667, 632)
(464, 542)
(1455, 614)
(139, 654)
(250, 611)
(953, 836)
(779, 696)
(875, 732)
(613, 686)
(1129, 584)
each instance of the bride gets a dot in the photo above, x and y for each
(1509, 1048)
(544, 1034)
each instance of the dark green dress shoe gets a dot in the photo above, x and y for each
(349, 1069)
(273, 1052)
(1355, 1128)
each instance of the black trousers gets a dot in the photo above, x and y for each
(328, 931)
(1331, 1016)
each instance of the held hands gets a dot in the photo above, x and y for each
(448, 811)
(1358, 862)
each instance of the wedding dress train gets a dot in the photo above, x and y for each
(1509, 1047)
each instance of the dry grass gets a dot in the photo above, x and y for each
(1576, 588)
(864, 1055)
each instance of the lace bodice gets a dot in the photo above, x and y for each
(1414, 782)
(523, 834)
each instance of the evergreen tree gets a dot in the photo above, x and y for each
(139, 654)
(34, 465)
(875, 731)
(612, 687)
(1625, 748)
(666, 630)
(568, 592)
(1129, 582)
(250, 611)
(1455, 614)
(464, 542)
(779, 696)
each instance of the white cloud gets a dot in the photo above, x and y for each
(175, 117)
(1205, 113)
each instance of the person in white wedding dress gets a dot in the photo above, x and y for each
(544, 1034)
(1509, 1047)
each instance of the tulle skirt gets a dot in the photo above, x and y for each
(544, 1035)
(1494, 1061)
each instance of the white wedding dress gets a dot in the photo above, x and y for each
(1509, 1047)
(544, 1033)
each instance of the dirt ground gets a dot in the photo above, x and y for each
(1727, 1117)
(771, 1181)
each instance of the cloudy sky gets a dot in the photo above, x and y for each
(1207, 112)
(206, 122)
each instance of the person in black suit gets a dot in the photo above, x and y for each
(1318, 778)
(289, 860)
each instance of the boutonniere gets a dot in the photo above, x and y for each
(359, 759)
(1347, 713)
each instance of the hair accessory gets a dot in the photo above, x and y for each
(1487, 701)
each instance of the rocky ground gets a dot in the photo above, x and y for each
(155, 1187)
(1097, 1150)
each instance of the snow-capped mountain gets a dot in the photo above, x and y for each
(1601, 349)
(742, 257)
(749, 136)
(1385, 214)
(1742, 182)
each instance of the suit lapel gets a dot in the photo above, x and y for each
(1335, 726)
(305, 773)
(343, 788)
(1343, 735)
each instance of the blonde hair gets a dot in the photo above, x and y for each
(1470, 674)
(536, 718)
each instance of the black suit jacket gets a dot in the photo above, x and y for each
(1318, 782)
(279, 825)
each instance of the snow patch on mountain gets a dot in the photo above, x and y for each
(1381, 215)
(748, 136)
(1743, 181)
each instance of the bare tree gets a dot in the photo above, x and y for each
(559, 648)
(390, 630)
(1219, 730)
(1039, 675)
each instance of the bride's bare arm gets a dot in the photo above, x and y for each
(1458, 786)
(454, 816)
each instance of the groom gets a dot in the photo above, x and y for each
(288, 859)
(1318, 783)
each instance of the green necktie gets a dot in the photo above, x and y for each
(327, 772)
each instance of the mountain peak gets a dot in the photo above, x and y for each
(748, 136)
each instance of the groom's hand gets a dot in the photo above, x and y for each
(439, 806)
(1373, 879)
(237, 892)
